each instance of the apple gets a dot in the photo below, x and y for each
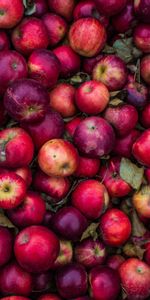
(122, 117)
(12, 66)
(71, 280)
(123, 145)
(48, 218)
(94, 137)
(29, 35)
(71, 126)
(42, 281)
(58, 157)
(23, 280)
(15, 298)
(142, 10)
(56, 187)
(119, 231)
(104, 283)
(30, 212)
(141, 201)
(90, 197)
(56, 27)
(141, 37)
(109, 7)
(49, 297)
(69, 60)
(145, 116)
(69, 223)
(140, 153)
(10, 13)
(147, 253)
(65, 255)
(111, 70)
(64, 9)
(41, 7)
(36, 248)
(6, 245)
(22, 108)
(90, 62)
(4, 40)
(25, 173)
(87, 167)
(90, 253)
(135, 278)
(115, 261)
(12, 190)
(123, 21)
(65, 91)
(136, 94)
(87, 36)
(145, 68)
(44, 67)
(110, 176)
(92, 97)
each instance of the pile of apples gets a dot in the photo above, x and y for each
(74, 149)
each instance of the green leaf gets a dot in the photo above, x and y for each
(126, 50)
(90, 232)
(4, 221)
(131, 173)
(138, 228)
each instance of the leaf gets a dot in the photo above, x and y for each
(138, 229)
(90, 232)
(126, 50)
(79, 78)
(115, 93)
(115, 102)
(131, 173)
(30, 7)
(4, 221)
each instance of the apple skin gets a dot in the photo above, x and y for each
(69, 60)
(15, 298)
(115, 227)
(41, 282)
(65, 91)
(25, 173)
(87, 167)
(22, 108)
(141, 37)
(90, 197)
(12, 67)
(141, 201)
(110, 7)
(16, 148)
(94, 137)
(23, 280)
(145, 69)
(36, 248)
(145, 116)
(140, 153)
(123, 145)
(110, 176)
(49, 297)
(87, 36)
(136, 94)
(58, 157)
(115, 261)
(10, 13)
(111, 70)
(71, 280)
(71, 126)
(56, 187)
(104, 283)
(65, 256)
(41, 8)
(135, 278)
(6, 245)
(90, 62)
(123, 21)
(147, 174)
(90, 253)
(142, 10)
(147, 253)
(123, 118)
(64, 9)
(56, 27)
(29, 35)
(44, 67)
(4, 41)
(92, 97)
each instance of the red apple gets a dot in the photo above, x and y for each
(49, 297)
(141, 37)
(64, 9)
(12, 66)
(135, 278)
(10, 13)
(65, 91)
(111, 70)
(48, 218)
(115, 261)
(41, 7)
(136, 94)
(4, 41)
(141, 201)
(92, 97)
(26, 100)
(25, 173)
(147, 253)
(87, 167)
(147, 174)
(115, 227)
(44, 67)
(58, 157)
(87, 36)
(123, 21)
(56, 27)
(65, 255)
(109, 7)
(145, 116)
(141, 148)
(29, 35)
(145, 68)
(6, 245)
(69, 60)
(36, 248)
(90, 197)
(15, 298)
(71, 125)
(42, 281)
(142, 10)
(123, 145)
(89, 63)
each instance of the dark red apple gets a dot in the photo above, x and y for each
(69, 60)
(69, 223)
(36, 248)
(65, 91)
(90, 253)
(64, 9)
(115, 261)
(71, 125)
(92, 97)
(15, 280)
(141, 37)
(123, 145)
(87, 36)
(6, 245)
(71, 281)
(147, 174)
(65, 255)
(3, 114)
(26, 100)
(56, 27)
(10, 13)
(136, 94)
(29, 35)
(15, 298)
(12, 66)
(89, 63)
(141, 201)
(48, 218)
(115, 227)
(94, 137)
(42, 281)
(109, 7)
(135, 278)
(123, 21)
(4, 40)
(145, 116)
(142, 10)
(111, 70)
(147, 253)
(145, 68)
(41, 7)
(58, 157)
(141, 148)
(104, 283)
(87, 167)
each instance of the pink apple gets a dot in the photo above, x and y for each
(10, 13)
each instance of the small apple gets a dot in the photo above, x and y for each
(141, 201)
(142, 10)
(10, 13)
(145, 68)
(141, 37)
(87, 167)
(136, 94)
(65, 255)
(141, 147)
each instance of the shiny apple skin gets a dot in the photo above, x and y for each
(145, 69)
(64, 9)
(142, 10)
(11, 13)
(123, 21)
(123, 145)
(87, 167)
(145, 116)
(141, 201)
(141, 147)
(6, 245)
(141, 37)
(115, 261)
